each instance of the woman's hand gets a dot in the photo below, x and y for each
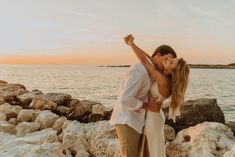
(129, 39)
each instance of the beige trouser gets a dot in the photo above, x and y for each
(129, 140)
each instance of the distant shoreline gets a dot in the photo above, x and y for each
(199, 66)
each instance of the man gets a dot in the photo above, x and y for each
(128, 115)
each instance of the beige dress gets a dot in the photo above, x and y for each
(153, 140)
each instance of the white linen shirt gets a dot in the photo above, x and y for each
(133, 92)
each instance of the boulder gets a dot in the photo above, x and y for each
(231, 125)
(89, 104)
(58, 124)
(42, 103)
(2, 101)
(26, 98)
(95, 117)
(209, 139)
(46, 119)
(99, 109)
(7, 127)
(9, 92)
(196, 111)
(230, 153)
(9, 110)
(78, 110)
(37, 144)
(92, 139)
(13, 121)
(26, 127)
(74, 139)
(3, 117)
(58, 98)
(169, 133)
(26, 115)
(2, 82)
(102, 139)
(63, 110)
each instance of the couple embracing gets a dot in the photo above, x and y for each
(137, 115)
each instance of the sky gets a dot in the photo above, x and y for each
(92, 31)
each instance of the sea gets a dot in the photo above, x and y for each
(101, 83)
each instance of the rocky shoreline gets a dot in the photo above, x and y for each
(34, 124)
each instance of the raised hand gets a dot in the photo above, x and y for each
(129, 39)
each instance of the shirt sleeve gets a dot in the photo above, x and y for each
(134, 83)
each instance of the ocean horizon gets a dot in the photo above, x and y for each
(101, 83)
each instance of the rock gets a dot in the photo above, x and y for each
(13, 121)
(73, 137)
(9, 92)
(63, 110)
(58, 98)
(230, 153)
(99, 109)
(9, 110)
(197, 111)
(231, 125)
(2, 101)
(39, 137)
(46, 119)
(45, 150)
(26, 98)
(7, 127)
(58, 124)
(42, 143)
(26, 115)
(95, 117)
(209, 139)
(93, 139)
(79, 110)
(3, 117)
(89, 104)
(169, 133)
(107, 114)
(26, 127)
(2, 82)
(102, 139)
(42, 103)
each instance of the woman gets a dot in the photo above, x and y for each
(173, 82)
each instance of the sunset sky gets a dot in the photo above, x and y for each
(92, 31)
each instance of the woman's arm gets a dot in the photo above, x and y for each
(163, 82)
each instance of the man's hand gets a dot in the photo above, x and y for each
(152, 105)
(129, 39)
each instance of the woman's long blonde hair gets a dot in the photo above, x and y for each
(179, 82)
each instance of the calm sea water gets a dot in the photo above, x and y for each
(102, 83)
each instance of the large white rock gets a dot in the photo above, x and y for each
(73, 138)
(102, 139)
(208, 139)
(42, 143)
(96, 139)
(46, 119)
(39, 137)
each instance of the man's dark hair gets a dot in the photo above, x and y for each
(164, 50)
